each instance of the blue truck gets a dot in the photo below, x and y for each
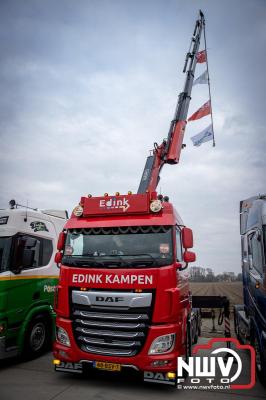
(250, 318)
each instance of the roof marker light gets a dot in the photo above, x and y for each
(89, 196)
(106, 195)
(117, 193)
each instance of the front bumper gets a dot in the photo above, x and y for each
(141, 362)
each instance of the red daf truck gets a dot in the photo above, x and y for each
(123, 299)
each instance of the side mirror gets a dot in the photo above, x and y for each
(61, 241)
(187, 238)
(58, 257)
(189, 256)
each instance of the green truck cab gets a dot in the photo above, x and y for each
(28, 279)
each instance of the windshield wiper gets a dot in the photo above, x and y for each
(94, 261)
(81, 261)
(140, 262)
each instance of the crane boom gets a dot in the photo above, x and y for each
(169, 150)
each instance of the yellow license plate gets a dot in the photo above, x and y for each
(107, 366)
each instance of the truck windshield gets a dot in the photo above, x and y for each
(120, 246)
(5, 245)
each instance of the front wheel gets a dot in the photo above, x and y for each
(188, 346)
(37, 337)
(236, 323)
(188, 343)
(260, 359)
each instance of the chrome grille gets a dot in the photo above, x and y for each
(111, 331)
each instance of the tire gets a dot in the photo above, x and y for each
(195, 339)
(260, 359)
(188, 346)
(199, 328)
(236, 324)
(188, 343)
(38, 337)
(188, 349)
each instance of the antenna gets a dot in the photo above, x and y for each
(26, 218)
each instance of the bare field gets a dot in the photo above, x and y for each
(233, 290)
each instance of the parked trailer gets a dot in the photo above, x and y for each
(28, 276)
(250, 318)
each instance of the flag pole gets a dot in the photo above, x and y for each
(204, 33)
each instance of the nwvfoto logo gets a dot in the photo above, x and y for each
(115, 203)
(213, 368)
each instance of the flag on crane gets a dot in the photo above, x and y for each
(203, 78)
(201, 112)
(203, 136)
(201, 56)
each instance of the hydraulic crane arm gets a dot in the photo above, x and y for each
(169, 151)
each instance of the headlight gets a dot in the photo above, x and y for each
(62, 336)
(163, 344)
(78, 211)
(156, 206)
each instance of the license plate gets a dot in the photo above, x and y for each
(107, 366)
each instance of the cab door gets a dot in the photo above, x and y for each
(5, 246)
(5, 249)
(25, 256)
(255, 260)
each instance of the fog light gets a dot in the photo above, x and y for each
(159, 363)
(62, 336)
(56, 362)
(163, 344)
(171, 375)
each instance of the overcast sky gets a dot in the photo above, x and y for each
(88, 86)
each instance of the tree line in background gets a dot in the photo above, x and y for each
(200, 274)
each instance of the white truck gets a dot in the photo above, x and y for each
(28, 278)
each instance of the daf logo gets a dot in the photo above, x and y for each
(109, 299)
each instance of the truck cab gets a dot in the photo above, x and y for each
(28, 276)
(250, 318)
(123, 297)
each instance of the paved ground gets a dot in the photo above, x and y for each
(37, 380)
